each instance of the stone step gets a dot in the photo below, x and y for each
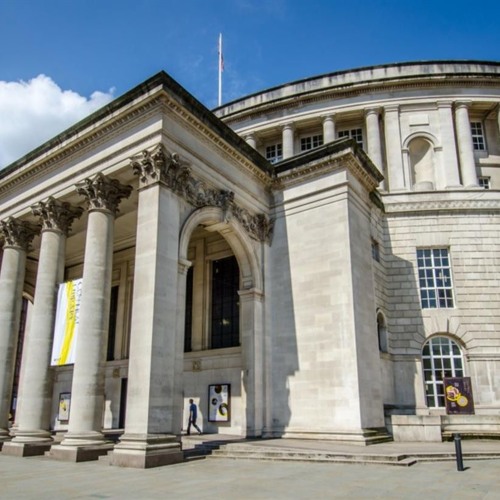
(235, 451)
(315, 458)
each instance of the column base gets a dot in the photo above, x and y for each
(26, 449)
(78, 453)
(145, 451)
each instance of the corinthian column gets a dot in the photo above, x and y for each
(465, 146)
(33, 436)
(84, 440)
(154, 399)
(17, 237)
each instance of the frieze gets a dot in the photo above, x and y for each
(56, 215)
(160, 165)
(294, 100)
(103, 193)
(426, 206)
(17, 233)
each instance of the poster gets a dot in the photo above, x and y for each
(458, 396)
(64, 404)
(219, 409)
(66, 325)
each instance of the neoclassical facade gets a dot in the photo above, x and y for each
(309, 261)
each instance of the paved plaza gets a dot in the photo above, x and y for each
(40, 478)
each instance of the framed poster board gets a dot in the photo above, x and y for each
(219, 403)
(64, 404)
(458, 396)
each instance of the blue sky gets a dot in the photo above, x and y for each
(91, 51)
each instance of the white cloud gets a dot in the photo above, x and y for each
(33, 112)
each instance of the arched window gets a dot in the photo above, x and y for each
(382, 332)
(422, 163)
(441, 357)
(212, 314)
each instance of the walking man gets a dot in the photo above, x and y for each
(193, 414)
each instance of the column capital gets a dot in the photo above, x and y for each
(56, 215)
(391, 108)
(329, 117)
(372, 111)
(17, 233)
(103, 193)
(444, 104)
(288, 126)
(462, 104)
(184, 265)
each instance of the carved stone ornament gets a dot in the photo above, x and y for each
(159, 165)
(103, 193)
(56, 215)
(17, 233)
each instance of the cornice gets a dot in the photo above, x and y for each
(440, 206)
(294, 100)
(211, 138)
(78, 147)
(326, 165)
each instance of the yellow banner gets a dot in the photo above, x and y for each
(66, 326)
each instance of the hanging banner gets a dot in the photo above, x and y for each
(66, 326)
(458, 396)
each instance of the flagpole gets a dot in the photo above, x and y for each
(220, 68)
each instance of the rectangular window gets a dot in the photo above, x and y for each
(188, 320)
(434, 275)
(477, 136)
(313, 141)
(225, 303)
(353, 133)
(485, 182)
(375, 250)
(113, 316)
(274, 153)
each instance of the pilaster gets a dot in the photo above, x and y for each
(449, 157)
(465, 146)
(393, 148)
(252, 339)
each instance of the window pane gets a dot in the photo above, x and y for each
(225, 303)
(438, 362)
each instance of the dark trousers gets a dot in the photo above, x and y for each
(193, 423)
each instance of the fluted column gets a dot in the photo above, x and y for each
(154, 398)
(328, 128)
(36, 384)
(393, 148)
(288, 139)
(465, 146)
(17, 237)
(103, 196)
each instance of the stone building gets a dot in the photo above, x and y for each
(309, 261)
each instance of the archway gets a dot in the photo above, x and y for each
(221, 351)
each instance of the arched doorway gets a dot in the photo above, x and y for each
(222, 321)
